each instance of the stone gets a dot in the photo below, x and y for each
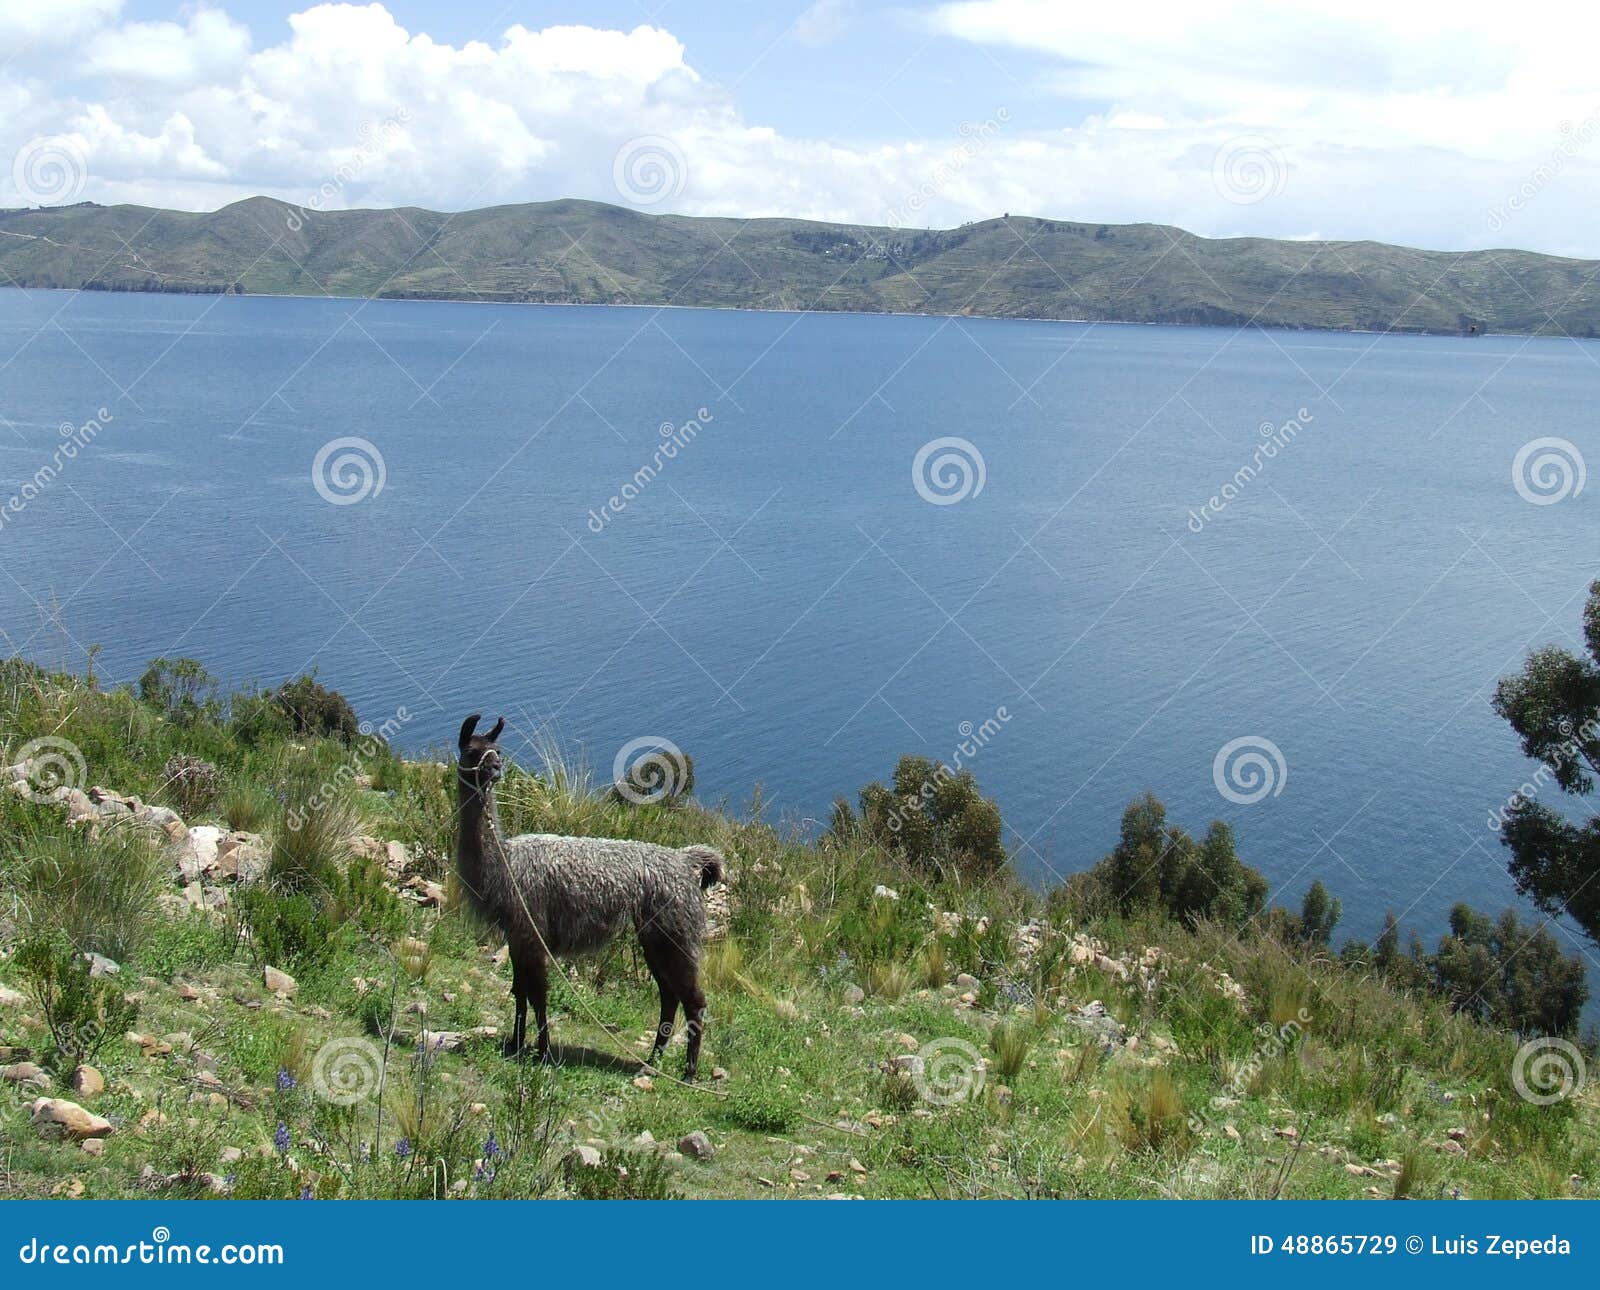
(854, 994)
(240, 857)
(584, 1156)
(94, 1146)
(908, 1063)
(645, 1139)
(88, 1081)
(26, 1073)
(697, 1145)
(231, 1155)
(57, 1118)
(196, 855)
(908, 1042)
(880, 892)
(279, 982)
(10, 998)
(856, 1167)
(644, 1082)
(100, 965)
(966, 981)
(718, 1073)
(1457, 1134)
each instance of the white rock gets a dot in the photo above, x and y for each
(698, 1145)
(279, 982)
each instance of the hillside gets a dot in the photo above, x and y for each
(288, 998)
(587, 252)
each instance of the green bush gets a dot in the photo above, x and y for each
(290, 929)
(82, 1012)
(181, 689)
(621, 1175)
(933, 818)
(1156, 866)
(762, 1107)
(314, 710)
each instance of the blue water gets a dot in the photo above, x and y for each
(781, 601)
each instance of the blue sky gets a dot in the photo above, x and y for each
(1430, 123)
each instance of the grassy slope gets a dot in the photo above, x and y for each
(575, 251)
(1376, 1082)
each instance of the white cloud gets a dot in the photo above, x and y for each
(1402, 122)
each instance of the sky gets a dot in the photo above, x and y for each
(1450, 126)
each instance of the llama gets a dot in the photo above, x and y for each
(555, 895)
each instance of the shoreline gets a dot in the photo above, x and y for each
(760, 309)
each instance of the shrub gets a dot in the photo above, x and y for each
(181, 689)
(1009, 1043)
(1158, 866)
(288, 928)
(934, 818)
(1508, 976)
(360, 897)
(762, 1107)
(666, 778)
(190, 784)
(82, 1012)
(313, 709)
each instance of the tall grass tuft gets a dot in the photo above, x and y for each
(1009, 1042)
(98, 889)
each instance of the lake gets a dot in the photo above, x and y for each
(796, 592)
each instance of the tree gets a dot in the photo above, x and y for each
(934, 817)
(1554, 706)
(1509, 975)
(1159, 866)
(1319, 915)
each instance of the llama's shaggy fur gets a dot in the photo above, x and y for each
(575, 895)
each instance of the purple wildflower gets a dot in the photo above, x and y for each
(286, 1081)
(280, 1139)
(403, 1148)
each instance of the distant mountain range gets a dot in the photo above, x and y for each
(592, 253)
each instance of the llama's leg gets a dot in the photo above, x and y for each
(519, 997)
(538, 991)
(694, 1015)
(657, 957)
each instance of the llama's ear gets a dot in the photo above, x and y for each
(498, 727)
(467, 728)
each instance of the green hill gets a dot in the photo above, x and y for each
(588, 252)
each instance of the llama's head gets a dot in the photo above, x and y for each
(479, 761)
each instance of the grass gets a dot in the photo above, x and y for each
(1306, 1078)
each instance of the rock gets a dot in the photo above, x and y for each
(279, 982)
(645, 1139)
(584, 1156)
(908, 1042)
(231, 1155)
(94, 1146)
(100, 965)
(26, 1073)
(88, 1081)
(644, 1082)
(718, 1073)
(909, 1063)
(188, 993)
(856, 1167)
(800, 1175)
(1230, 1133)
(880, 892)
(10, 998)
(240, 857)
(854, 994)
(1457, 1134)
(196, 855)
(163, 818)
(57, 1118)
(697, 1145)
(966, 981)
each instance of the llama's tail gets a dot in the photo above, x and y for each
(709, 861)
